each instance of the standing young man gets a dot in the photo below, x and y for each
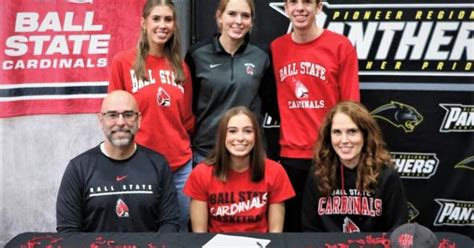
(314, 69)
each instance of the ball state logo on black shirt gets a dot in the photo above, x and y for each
(249, 68)
(121, 209)
(349, 226)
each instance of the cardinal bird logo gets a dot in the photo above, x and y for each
(349, 226)
(121, 209)
(163, 98)
(300, 90)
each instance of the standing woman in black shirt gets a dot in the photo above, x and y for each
(227, 71)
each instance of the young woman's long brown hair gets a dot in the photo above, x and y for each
(220, 156)
(171, 49)
(374, 155)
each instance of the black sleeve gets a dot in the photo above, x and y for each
(270, 112)
(196, 83)
(395, 207)
(168, 217)
(309, 217)
(268, 92)
(69, 201)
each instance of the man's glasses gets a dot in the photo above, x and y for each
(128, 115)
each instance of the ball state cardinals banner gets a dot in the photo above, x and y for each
(55, 55)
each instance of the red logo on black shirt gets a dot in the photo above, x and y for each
(249, 67)
(121, 209)
(349, 226)
(120, 178)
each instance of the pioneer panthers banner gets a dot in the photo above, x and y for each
(417, 79)
(55, 55)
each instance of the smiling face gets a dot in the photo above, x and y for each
(302, 13)
(119, 127)
(160, 26)
(346, 139)
(235, 20)
(240, 137)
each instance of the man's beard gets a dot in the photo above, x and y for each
(122, 142)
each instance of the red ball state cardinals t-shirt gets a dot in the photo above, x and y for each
(239, 205)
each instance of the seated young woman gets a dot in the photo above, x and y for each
(236, 188)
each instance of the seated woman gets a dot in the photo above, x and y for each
(353, 186)
(237, 189)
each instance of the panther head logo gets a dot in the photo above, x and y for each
(400, 115)
(412, 212)
(467, 164)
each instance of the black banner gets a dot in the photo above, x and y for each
(417, 79)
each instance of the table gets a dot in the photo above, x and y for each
(187, 240)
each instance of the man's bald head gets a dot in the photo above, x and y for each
(119, 101)
(120, 119)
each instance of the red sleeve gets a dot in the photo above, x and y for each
(349, 75)
(116, 80)
(187, 115)
(280, 188)
(198, 182)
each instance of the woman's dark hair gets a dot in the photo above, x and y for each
(220, 156)
(374, 155)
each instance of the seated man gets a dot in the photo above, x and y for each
(118, 186)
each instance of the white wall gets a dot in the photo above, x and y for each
(34, 153)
